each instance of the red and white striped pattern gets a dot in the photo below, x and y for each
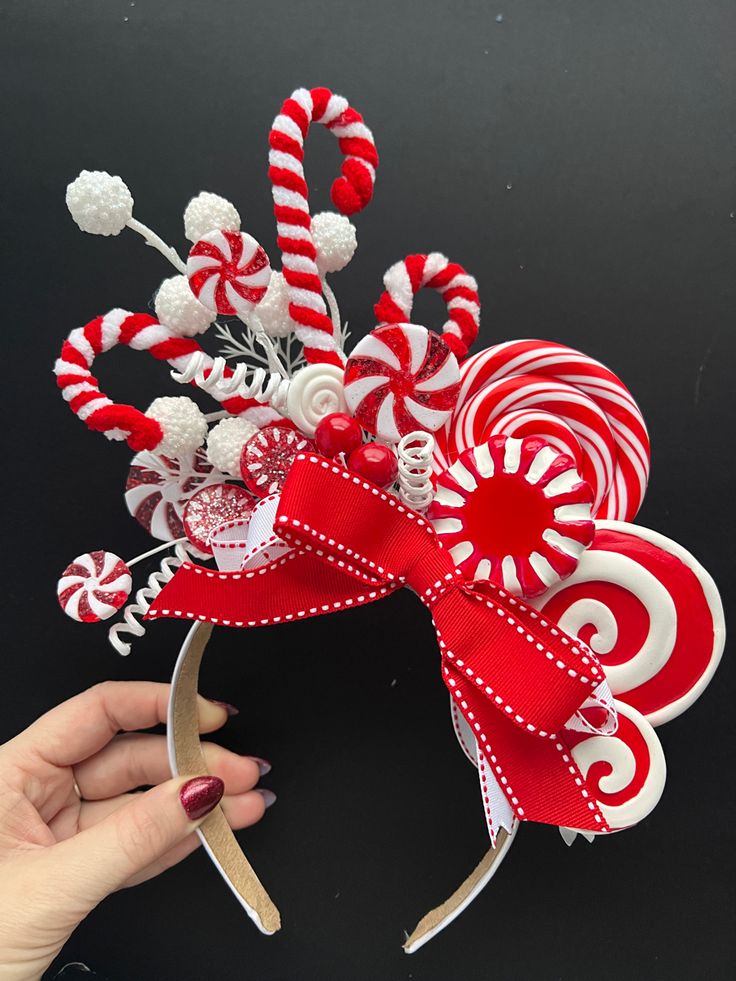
(228, 272)
(350, 193)
(457, 288)
(142, 333)
(94, 586)
(538, 388)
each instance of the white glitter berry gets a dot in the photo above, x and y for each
(184, 425)
(225, 444)
(179, 309)
(273, 310)
(99, 203)
(209, 213)
(335, 240)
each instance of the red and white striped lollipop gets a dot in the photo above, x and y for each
(537, 388)
(94, 586)
(651, 614)
(626, 771)
(434, 271)
(158, 489)
(401, 378)
(514, 511)
(228, 272)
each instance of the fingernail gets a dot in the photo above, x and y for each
(230, 709)
(268, 795)
(200, 795)
(264, 766)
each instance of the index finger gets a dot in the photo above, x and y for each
(81, 726)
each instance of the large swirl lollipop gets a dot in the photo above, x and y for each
(538, 388)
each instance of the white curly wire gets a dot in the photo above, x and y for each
(218, 378)
(130, 623)
(415, 469)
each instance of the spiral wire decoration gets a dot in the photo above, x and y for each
(268, 388)
(415, 469)
(130, 623)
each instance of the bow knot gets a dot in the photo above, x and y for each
(432, 573)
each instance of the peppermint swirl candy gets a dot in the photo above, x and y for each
(228, 272)
(94, 586)
(651, 614)
(315, 391)
(538, 388)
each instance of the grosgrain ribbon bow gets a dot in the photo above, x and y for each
(517, 679)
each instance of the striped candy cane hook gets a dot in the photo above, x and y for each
(142, 333)
(350, 193)
(435, 271)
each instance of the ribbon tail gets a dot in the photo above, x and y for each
(294, 587)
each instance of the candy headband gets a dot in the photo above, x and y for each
(498, 487)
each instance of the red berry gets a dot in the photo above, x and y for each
(338, 433)
(374, 462)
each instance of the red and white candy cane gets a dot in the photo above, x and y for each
(142, 333)
(350, 193)
(457, 288)
(538, 388)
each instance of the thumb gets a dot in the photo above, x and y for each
(103, 858)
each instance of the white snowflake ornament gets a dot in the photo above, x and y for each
(99, 203)
(208, 213)
(179, 309)
(335, 240)
(183, 424)
(225, 444)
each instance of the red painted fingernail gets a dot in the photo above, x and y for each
(230, 709)
(264, 766)
(200, 795)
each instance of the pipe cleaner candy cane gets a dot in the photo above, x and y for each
(538, 388)
(457, 288)
(142, 333)
(350, 193)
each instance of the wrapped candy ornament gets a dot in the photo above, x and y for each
(500, 487)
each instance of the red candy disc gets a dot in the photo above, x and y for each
(211, 507)
(514, 511)
(267, 458)
(228, 272)
(94, 586)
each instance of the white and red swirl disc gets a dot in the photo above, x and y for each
(94, 586)
(401, 378)
(228, 272)
(651, 614)
(514, 511)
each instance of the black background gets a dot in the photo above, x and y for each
(578, 158)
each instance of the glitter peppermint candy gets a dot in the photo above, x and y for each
(158, 489)
(514, 511)
(210, 508)
(94, 586)
(401, 378)
(228, 272)
(267, 458)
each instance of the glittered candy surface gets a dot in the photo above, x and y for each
(211, 507)
(267, 458)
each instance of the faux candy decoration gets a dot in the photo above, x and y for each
(94, 586)
(228, 272)
(498, 487)
(210, 507)
(158, 489)
(514, 511)
(537, 388)
(399, 378)
(267, 458)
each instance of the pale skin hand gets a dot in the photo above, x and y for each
(62, 853)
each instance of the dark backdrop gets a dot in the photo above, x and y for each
(578, 158)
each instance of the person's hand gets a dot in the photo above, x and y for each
(70, 830)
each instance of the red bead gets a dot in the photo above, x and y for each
(338, 433)
(374, 462)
